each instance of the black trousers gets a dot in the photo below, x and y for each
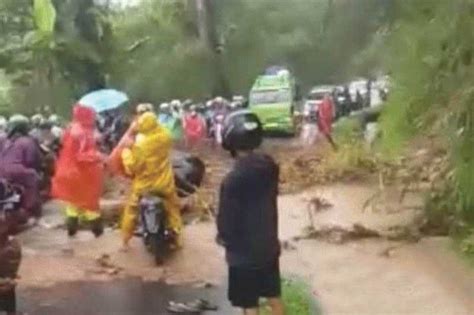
(8, 301)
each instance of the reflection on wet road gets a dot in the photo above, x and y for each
(121, 297)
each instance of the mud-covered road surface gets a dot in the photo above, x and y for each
(367, 276)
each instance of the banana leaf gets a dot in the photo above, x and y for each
(44, 15)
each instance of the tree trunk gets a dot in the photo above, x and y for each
(208, 34)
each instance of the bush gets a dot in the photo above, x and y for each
(297, 298)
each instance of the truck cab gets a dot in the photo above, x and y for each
(273, 98)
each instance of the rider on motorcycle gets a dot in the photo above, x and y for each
(148, 163)
(219, 114)
(20, 163)
(56, 128)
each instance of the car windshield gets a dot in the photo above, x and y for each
(270, 97)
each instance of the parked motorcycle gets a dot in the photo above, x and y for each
(158, 239)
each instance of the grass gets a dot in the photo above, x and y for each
(297, 298)
(463, 244)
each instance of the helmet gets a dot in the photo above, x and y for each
(143, 108)
(175, 103)
(209, 104)
(18, 118)
(54, 120)
(164, 106)
(19, 123)
(37, 119)
(242, 131)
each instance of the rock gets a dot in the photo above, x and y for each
(337, 234)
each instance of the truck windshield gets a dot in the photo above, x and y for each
(270, 97)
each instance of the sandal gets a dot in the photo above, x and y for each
(181, 308)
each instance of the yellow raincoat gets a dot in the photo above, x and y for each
(148, 162)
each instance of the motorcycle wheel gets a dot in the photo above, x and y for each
(158, 248)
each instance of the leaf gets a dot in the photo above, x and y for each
(44, 15)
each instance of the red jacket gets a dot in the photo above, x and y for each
(194, 127)
(79, 172)
(326, 115)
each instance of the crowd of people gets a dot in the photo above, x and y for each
(190, 123)
(143, 154)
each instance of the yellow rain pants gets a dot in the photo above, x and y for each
(83, 215)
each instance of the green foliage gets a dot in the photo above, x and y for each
(430, 54)
(160, 54)
(297, 299)
(53, 51)
(44, 16)
(5, 87)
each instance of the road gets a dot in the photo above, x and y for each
(366, 276)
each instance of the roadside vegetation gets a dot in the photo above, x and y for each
(297, 298)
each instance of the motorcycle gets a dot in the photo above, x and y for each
(49, 152)
(157, 237)
(10, 199)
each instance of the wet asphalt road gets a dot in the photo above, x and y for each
(120, 297)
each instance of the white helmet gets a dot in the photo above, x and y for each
(175, 103)
(37, 119)
(164, 106)
(144, 107)
(18, 118)
(209, 104)
(54, 120)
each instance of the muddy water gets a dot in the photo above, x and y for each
(347, 206)
(373, 276)
(365, 277)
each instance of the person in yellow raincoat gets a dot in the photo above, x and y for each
(147, 161)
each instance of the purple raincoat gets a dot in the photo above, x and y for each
(20, 161)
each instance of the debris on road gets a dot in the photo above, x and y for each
(338, 235)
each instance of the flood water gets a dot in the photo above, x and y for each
(120, 297)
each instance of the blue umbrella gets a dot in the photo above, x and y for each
(103, 100)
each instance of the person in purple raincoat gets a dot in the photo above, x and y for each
(20, 162)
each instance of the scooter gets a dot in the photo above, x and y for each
(157, 237)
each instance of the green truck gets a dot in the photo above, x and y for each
(273, 99)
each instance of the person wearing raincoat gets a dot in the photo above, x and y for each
(325, 119)
(147, 161)
(169, 119)
(194, 128)
(79, 172)
(20, 163)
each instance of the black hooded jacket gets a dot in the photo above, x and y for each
(247, 222)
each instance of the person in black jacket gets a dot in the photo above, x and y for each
(247, 221)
